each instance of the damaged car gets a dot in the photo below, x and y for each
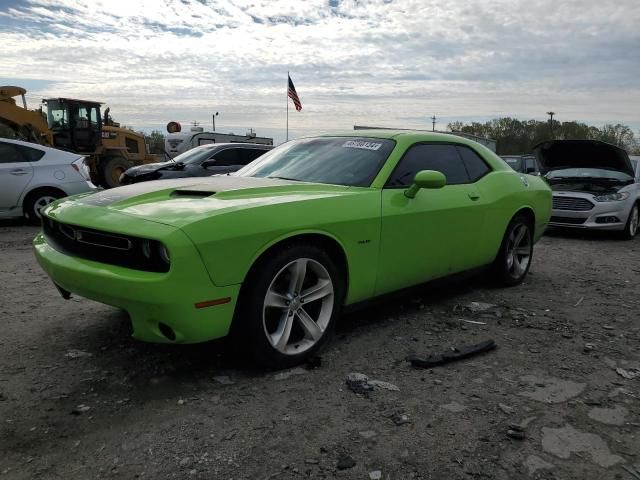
(202, 161)
(272, 253)
(595, 185)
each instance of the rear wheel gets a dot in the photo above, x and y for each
(514, 258)
(631, 228)
(36, 201)
(111, 168)
(290, 306)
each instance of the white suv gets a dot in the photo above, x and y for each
(32, 176)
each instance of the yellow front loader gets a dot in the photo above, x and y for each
(77, 126)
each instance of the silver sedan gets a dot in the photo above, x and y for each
(32, 176)
(595, 185)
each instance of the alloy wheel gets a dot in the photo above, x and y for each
(298, 306)
(42, 202)
(519, 249)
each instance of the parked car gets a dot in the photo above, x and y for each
(522, 163)
(203, 161)
(273, 252)
(595, 185)
(32, 176)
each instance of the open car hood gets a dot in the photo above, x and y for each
(559, 154)
(147, 168)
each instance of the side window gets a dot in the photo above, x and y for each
(33, 154)
(9, 153)
(248, 155)
(227, 157)
(443, 158)
(530, 166)
(476, 167)
(94, 117)
(82, 119)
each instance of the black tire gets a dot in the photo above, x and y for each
(256, 326)
(37, 199)
(631, 228)
(510, 267)
(110, 170)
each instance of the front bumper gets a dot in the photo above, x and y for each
(603, 216)
(153, 300)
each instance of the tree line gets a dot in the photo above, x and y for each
(515, 136)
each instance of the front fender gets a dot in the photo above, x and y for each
(230, 243)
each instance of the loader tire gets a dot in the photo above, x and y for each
(111, 168)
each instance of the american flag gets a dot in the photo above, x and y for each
(293, 95)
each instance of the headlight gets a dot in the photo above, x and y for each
(155, 252)
(164, 254)
(612, 197)
(146, 249)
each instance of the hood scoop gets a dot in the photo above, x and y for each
(192, 193)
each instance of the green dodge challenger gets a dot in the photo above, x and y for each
(273, 252)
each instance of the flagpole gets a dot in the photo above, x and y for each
(287, 97)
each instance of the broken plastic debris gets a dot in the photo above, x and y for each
(455, 353)
(74, 353)
(476, 307)
(629, 373)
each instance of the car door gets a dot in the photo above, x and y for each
(431, 235)
(16, 172)
(223, 161)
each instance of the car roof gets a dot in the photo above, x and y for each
(40, 147)
(233, 144)
(415, 135)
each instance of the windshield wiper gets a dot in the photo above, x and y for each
(285, 178)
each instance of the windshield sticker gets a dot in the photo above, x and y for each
(362, 144)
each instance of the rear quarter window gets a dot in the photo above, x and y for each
(13, 153)
(33, 154)
(476, 166)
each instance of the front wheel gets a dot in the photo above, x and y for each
(36, 201)
(631, 228)
(514, 258)
(290, 306)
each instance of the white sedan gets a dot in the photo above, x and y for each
(32, 176)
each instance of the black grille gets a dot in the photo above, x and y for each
(571, 203)
(104, 247)
(568, 220)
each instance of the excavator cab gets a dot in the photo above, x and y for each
(76, 125)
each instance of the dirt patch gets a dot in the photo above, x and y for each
(80, 399)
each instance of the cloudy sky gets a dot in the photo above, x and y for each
(379, 62)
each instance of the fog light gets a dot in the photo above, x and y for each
(167, 331)
(608, 219)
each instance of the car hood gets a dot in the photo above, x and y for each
(147, 168)
(560, 154)
(179, 202)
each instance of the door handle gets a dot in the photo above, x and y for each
(474, 196)
(18, 171)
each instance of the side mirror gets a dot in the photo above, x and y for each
(208, 163)
(425, 179)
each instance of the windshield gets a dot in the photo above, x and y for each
(598, 173)
(350, 161)
(514, 162)
(57, 115)
(195, 155)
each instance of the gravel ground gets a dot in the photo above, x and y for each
(79, 399)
